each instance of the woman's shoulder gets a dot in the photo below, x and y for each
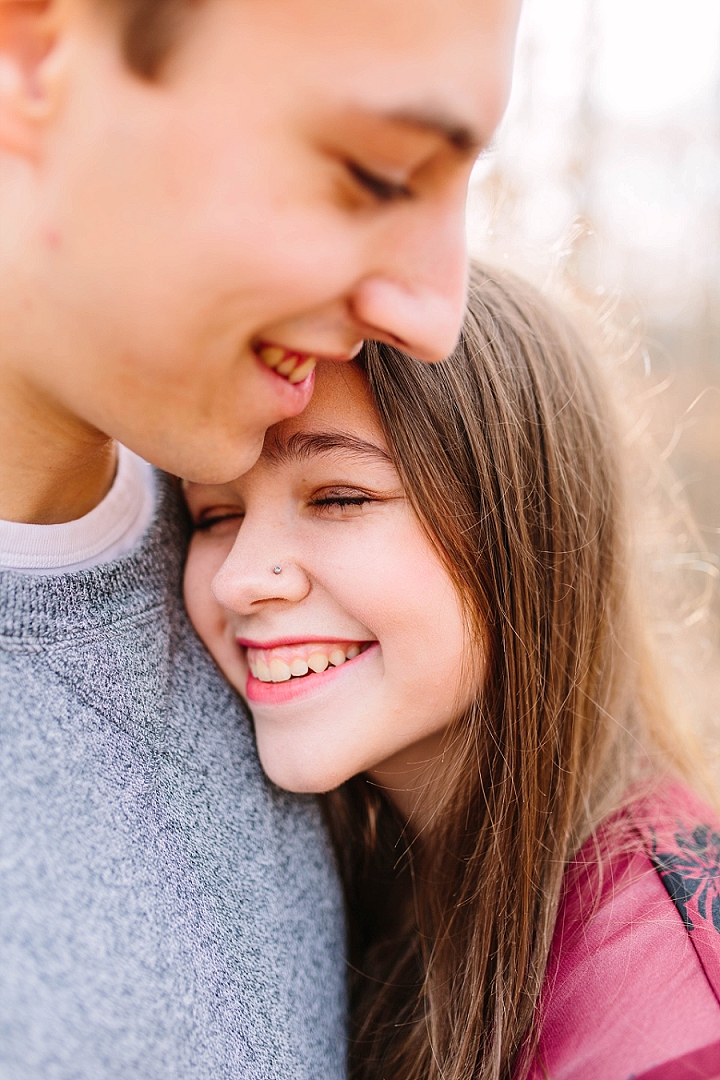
(633, 981)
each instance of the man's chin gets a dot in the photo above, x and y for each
(216, 464)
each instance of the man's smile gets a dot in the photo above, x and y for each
(294, 364)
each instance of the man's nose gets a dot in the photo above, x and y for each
(416, 299)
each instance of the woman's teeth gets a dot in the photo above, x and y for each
(292, 365)
(267, 666)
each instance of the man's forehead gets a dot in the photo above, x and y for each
(446, 74)
(398, 28)
(491, 13)
(436, 65)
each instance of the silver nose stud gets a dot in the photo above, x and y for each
(277, 569)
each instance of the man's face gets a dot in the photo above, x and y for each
(294, 180)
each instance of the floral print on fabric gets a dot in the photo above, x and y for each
(691, 873)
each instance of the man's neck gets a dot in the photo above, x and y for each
(53, 467)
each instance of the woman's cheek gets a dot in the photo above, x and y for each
(197, 582)
(209, 618)
(425, 629)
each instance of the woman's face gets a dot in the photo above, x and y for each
(351, 657)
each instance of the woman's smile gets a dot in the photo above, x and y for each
(283, 673)
(279, 661)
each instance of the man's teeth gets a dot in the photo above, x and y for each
(302, 371)
(272, 355)
(294, 366)
(268, 668)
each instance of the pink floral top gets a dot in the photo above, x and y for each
(632, 990)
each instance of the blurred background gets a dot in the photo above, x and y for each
(606, 171)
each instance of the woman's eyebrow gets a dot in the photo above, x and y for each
(304, 444)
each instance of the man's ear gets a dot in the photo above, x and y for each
(29, 36)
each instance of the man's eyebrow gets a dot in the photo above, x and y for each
(306, 444)
(459, 135)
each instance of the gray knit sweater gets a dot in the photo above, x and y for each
(165, 912)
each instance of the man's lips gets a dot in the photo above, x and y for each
(293, 364)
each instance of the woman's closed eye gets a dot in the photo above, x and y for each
(342, 502)
(218, 520)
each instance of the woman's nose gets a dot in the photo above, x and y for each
(256, 574)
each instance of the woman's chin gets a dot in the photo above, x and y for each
(293, 772)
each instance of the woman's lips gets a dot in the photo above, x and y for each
(280, 662)
(300, 675)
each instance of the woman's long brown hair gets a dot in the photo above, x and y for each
(508, 453)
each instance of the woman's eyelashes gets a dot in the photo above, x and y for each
(217, 520)
(341, 503)
(322, 499)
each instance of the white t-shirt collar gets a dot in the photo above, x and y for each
(112, 529)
